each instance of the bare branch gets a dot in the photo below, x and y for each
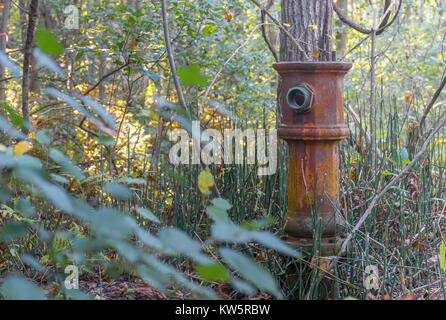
(171, 58)
(432, 102)
(265, 37)
(383, 25)
(377, 198)
(287, 33)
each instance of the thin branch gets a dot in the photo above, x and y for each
(361, 128)
(20, 7)
(432, 102)
(363, 30)
(378, 197)
(354, 47)
(105, 77)
(282, 27)
(349, 22)
(265, 37)
(208, 90)
(171, 57)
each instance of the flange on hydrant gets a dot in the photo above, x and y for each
(312, 123)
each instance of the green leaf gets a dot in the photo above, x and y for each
(4, 194)
(25, 207)
(13, 230)
(27, 161)
(230, 232)
(46, 61)
(217, 211)
(19, 288)
(251, 271)
(213, 272)
(443, 256)
(7, 160)
(138, 181)
(176, 241)
(14, 117)
(217, 214)
(47, 42)
(67, 165)
(32, 262)
(258, 224)
(12, 67)
(192, 76)
(11, 131)
(59, 178)
(208, 29)
(148, 239)
(404, 156)
(146, 213)
(55, 194)
(118, 191)
(269, 240)
(106, 140)
(43, 138)
(112, 223)
(73, 103)
(243, 287)
(100, 111)
(221, 204)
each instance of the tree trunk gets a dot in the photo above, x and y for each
(3, 43)
(32, 20)
(310, 22)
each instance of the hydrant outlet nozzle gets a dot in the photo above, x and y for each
(300, 98)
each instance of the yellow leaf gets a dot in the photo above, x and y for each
(228, 17)
(316, 54)
(21, 147)
(287, 25)
(312, 26)
(133, 44)
(205, 181)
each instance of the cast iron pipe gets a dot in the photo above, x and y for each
(312, 123)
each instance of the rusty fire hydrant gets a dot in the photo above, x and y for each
(312, 123)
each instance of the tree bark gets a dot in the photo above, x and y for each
(3, 43)
(311, 24)
(32, 20)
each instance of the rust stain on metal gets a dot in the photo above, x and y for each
(313, 137)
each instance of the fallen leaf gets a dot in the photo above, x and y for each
(312, 26)
(228, 17)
